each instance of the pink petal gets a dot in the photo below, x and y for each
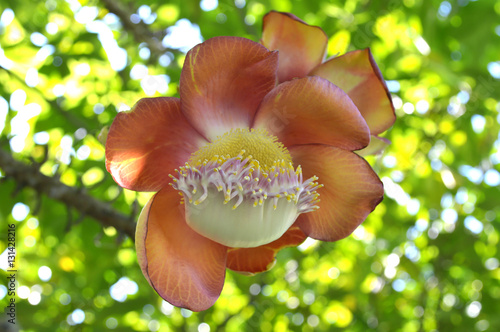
(185, 268)
(376, 146)
(301, 46)
(147, 143)
(351, 190)
(358, 75)
(141, 231)
(223, 82)
(312, 110)
(260, 259)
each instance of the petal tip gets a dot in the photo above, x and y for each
(380, 77)
(302, 46)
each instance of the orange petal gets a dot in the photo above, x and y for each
(260, 259)
(376, 146)
(351, 190)
(223, 82)
(185, 268)
(147, 143)
(140, 238)
(301, 46)
(312, 110)
(358, 75)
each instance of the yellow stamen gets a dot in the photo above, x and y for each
(260, 147)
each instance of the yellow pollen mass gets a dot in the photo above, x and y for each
(256, 143)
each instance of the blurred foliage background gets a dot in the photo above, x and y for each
(425, 260)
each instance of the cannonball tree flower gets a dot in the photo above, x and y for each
(302, 49)
(228, 193)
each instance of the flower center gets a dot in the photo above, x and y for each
(258, 144)
(242, 190)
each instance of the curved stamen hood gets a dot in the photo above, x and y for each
(239, 203)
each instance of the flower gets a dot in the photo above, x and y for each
(302, 50)
(235, 163)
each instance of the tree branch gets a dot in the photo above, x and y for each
(76, 121)
(30, 176)
(140, 30)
